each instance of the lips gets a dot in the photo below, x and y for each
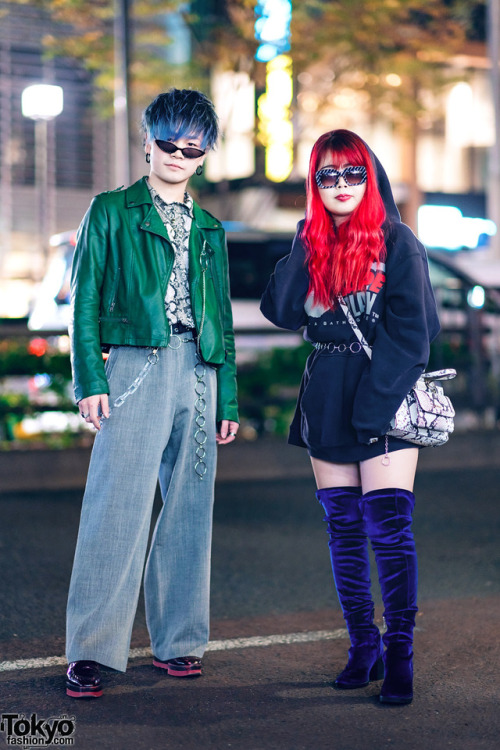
(343, 198)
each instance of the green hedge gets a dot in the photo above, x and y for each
(28, 357)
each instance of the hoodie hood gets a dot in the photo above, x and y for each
(385, 189)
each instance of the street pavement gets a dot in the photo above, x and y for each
(271, 577)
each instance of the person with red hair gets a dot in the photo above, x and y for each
(353, 256)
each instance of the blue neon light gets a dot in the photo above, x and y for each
(272, 28)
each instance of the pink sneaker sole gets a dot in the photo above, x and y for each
(178, 671)
(83, 694)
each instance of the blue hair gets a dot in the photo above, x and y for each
(180, 113)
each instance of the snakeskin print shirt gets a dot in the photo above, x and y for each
(177, 218)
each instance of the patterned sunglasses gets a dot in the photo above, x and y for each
(328, 177)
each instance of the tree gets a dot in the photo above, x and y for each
(392, 53)
(396, 52)
(88, 36)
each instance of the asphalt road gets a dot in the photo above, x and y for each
(271, 576)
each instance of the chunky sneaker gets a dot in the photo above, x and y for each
(185, 666)
(83, 680)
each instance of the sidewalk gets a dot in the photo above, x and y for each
(266, 458)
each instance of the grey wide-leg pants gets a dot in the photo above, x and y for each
(150, 435)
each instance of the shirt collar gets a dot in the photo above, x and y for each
(187, 204)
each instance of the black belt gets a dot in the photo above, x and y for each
(178, 328)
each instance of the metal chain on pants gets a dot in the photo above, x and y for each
(151, 360)
(200, 405)
(200, 387)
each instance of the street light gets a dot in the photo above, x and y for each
(42, 102)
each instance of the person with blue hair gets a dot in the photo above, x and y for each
(179, 113)
(150, 287)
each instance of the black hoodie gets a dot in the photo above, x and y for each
(347, 399)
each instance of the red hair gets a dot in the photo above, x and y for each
(340, 258)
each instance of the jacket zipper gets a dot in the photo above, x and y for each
(217, 285)
(115, 290)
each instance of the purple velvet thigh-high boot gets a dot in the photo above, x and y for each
(388, 516)
(351, 571)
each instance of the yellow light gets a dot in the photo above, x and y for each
(280, 132)
(275, 126)
(279, 162)
(393, 80)
(279, 85)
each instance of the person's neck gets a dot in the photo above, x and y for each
(167, 191)
(339, 220)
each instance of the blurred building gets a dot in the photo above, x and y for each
(455, 135)
(241, 183)
(77, 149)
(448, 162)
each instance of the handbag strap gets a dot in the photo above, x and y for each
(350, 317)
(435, 375)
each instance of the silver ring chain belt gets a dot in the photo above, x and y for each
(328, 346)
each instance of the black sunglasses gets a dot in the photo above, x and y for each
(170, 148)
(328, 176)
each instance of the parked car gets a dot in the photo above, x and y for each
(458, 291)
(252, 257)
(469, 310)
(470, 332)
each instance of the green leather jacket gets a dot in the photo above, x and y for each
(122, 265)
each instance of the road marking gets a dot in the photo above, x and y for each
(224, 645)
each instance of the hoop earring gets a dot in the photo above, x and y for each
(148, 158)
(199, 169)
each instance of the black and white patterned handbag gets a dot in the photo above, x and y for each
(426, 415)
